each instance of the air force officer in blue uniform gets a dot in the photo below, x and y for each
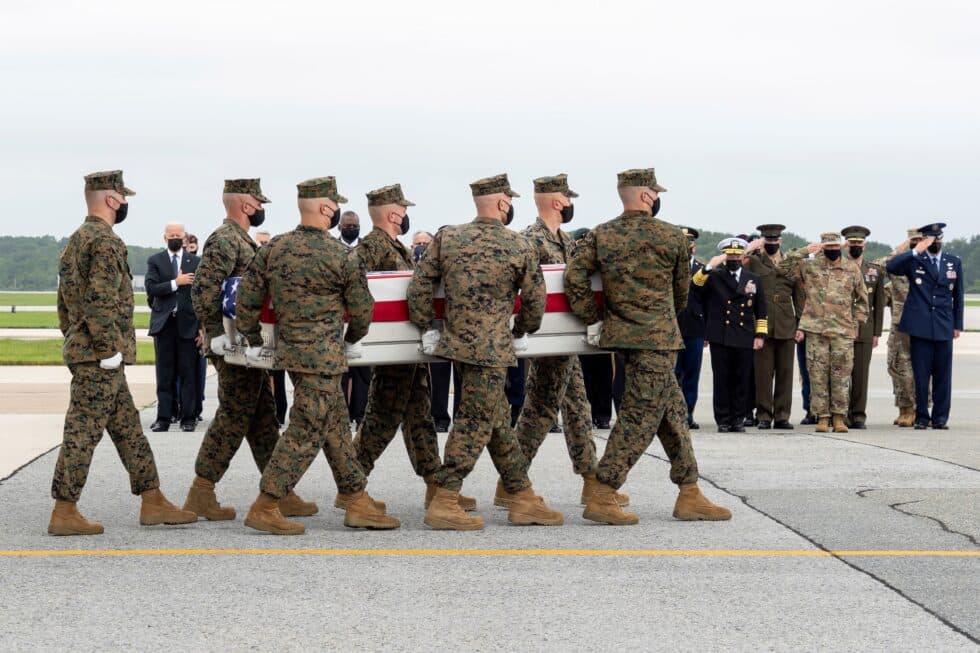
(933, 318)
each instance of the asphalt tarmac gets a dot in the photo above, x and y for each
(866, 541)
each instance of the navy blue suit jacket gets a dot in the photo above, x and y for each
(934, 307)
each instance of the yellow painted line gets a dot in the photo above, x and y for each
(646, 553)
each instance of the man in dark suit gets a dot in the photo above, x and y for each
(175, 329)
(691, 322)
(933, 318)
(735, 310)
(356, 381)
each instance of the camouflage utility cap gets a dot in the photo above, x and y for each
(320, 187)
(492, 185)
(690, 232)
(639, 177)
(914, 233)
(732, 245)
(556, 184)
(856, 233)
(245, 187)
(830, 238)
(107, 180)
(388, 195)
(771, 230)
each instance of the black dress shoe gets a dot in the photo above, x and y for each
(442, 427)
(160, 426)
(750, 421)
(556, 429)
(782, 425)
(764, 424)
(940, 427)
(724, 428)
(921, 426)
(602, 423)
(809, 420)
(858, 425)
(188, 426)
(736, 428)
(691, 424)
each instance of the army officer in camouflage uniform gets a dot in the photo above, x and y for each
(644, 264)
(312, 282)
(95, 313)
(246, 407)
(483, 265)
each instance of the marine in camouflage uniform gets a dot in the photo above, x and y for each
(899, 356)
(399, 395)
(870, 330)
(483, 266)
(644, 265)
(836, 304)
(246, 406)
(311, 282)
(95, 315)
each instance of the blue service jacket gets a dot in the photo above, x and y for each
(934, 307)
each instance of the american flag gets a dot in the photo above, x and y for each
(229, 296)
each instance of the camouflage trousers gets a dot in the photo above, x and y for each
(399, 396)
(246, 410)
(483, 420)
(900, 368)
(317, 420)
(652, 404)
(554, 383)
(100, 401)
(829, 360)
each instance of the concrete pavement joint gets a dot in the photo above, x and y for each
(898, 508)
(878, 446)
(745, 500)
(29, 463)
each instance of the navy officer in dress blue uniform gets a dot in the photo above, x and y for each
(691, 322)
(933, 318)
(735, 307)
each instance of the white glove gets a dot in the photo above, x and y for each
(593, 333)
(429, 341)
(353, 350)
(520, 344)
(253, 355)
(218, 345)
(111, 363)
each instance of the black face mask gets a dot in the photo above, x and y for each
(335, 219)
(771, 248)
(655, 209)
(510, 215)
(122, 212)
(933, 249)
(855, 251)
(733, 266)
(405, 224)
(174, 244)
(567, 212)
(832, 254)
(417, 252)
(350, 234)
(257, 218)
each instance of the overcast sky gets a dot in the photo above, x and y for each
(816, 115)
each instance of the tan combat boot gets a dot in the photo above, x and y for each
(66, 520)
(691, 505)
(823, 425)
(444, 513)
(840, 426)
(605, 509)
(502, 498)
(529, 509)
(292, 506)
(264, 515)
(202, 501)
(906, 416)
(155, 510)
(468, 504)
(363, 512)
(343, 501)
(589, 483)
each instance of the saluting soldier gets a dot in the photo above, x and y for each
(692, 325)
(870, 331)
(899, 358)
(645, 268)
(312, 282)
(483, 265)
(735, 309)
(246, 406)
(933, 318)
(773, 363)
(95, 314)
(836, 304)
(399, 395)
(555, 383)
